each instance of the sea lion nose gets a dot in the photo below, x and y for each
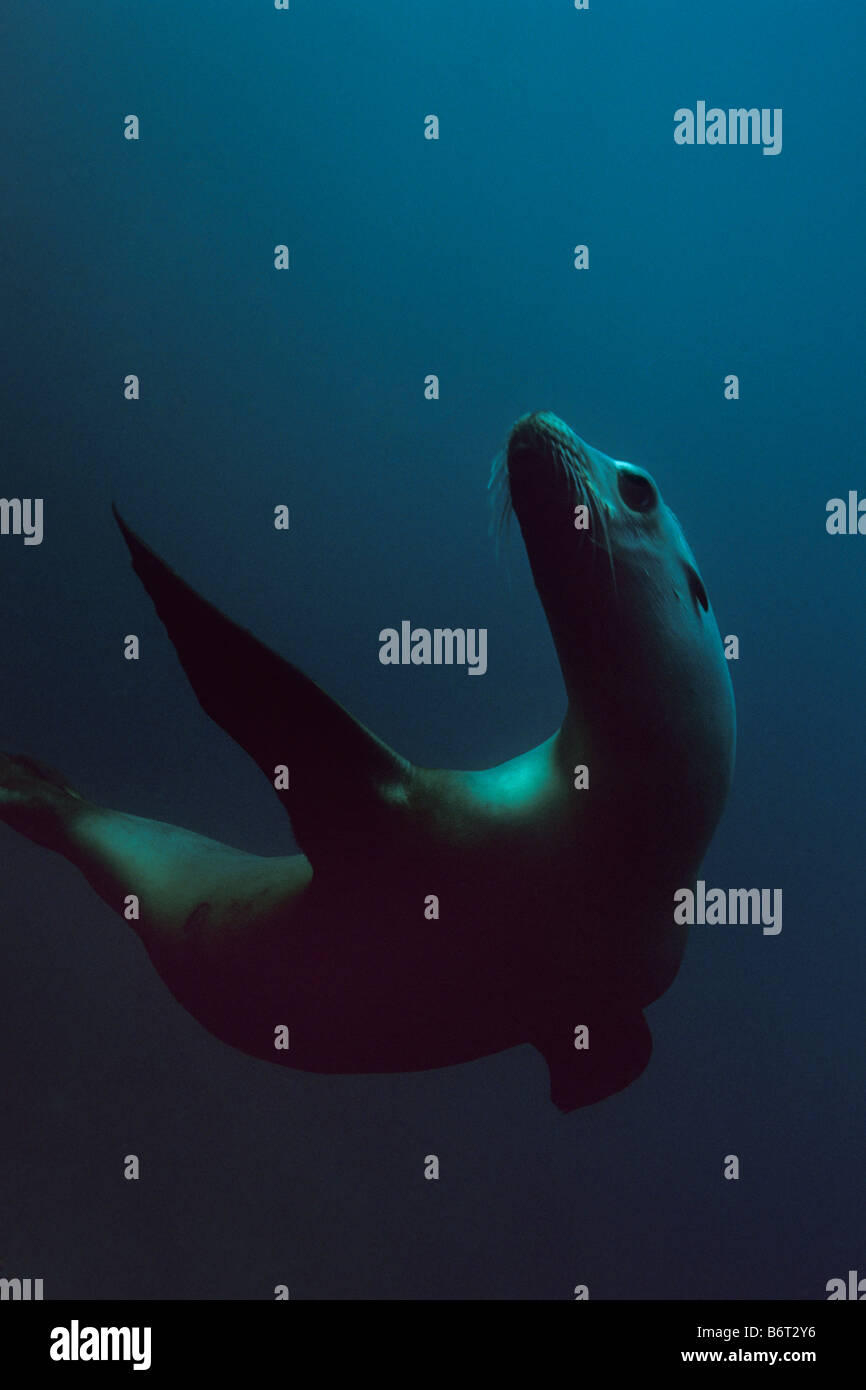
(542, 447)
(529, 441)
(544, 432)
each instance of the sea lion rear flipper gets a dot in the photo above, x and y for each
(340, 773)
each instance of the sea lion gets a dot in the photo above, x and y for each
(555, 922)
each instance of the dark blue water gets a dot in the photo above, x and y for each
(306, 388)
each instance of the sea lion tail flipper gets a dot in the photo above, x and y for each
(612, 1052)
(339, 772)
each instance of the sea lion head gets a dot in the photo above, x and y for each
(640, 652)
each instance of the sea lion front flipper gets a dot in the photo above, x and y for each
(340, 774)
(616, 1048)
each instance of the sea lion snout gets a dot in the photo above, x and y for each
(541, 436)
(544, 464)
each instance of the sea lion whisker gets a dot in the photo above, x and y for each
(499, 492)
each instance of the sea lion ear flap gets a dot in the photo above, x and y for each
(332, 775)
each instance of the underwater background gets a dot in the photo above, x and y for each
(408, 257)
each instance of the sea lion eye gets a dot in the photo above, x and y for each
(636, 491)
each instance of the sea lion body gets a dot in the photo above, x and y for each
(438, 916)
